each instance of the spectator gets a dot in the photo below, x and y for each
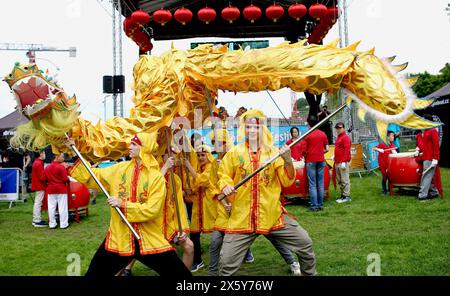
(296, 150)
(38, 181)
(316, 145)
(57, 181)
(342, 157)
(27, 165)
(326, 127)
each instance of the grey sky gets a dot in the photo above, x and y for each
(416, 31)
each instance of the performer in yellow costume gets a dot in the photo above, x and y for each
(139, 189)
(204, 209)
(222, 143)
(256, 207)
(171, 229)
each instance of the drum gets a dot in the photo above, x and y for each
(79, 195)
(404, 170)
(300, 187)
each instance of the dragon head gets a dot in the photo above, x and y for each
(35, 93)
(51, 112)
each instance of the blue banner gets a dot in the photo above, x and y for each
(373, 157)
(10, 184)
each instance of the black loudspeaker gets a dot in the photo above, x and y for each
(114, 84)
(119, 84)
(108, 85)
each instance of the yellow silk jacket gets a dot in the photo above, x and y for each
(205, 203)
(143, 193)
(256, 207)
(171, 227)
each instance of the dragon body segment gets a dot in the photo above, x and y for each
(174, 85)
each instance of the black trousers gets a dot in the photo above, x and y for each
(106, 263)
(195, 238)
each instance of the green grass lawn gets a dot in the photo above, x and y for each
(411, 237)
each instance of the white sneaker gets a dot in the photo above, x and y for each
(295, 269)
(346, 199)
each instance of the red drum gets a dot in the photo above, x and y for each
(300, 187)
(404, 170)
(79, 195)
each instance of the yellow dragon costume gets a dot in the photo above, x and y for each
(174, 85)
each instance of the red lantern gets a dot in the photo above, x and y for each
(274, 12)
(230, 13)
(206, 15)
(297, 11)
(140, 37)
(129, 26)
(146, 46)
(140, 17)
(317, 11)
(162, 16)
(332, 13)
(252, 13)
(183, 15)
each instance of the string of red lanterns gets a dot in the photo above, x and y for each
(327, 17)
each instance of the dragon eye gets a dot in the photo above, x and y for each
(26, 68)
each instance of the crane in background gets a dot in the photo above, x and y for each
(31, 49)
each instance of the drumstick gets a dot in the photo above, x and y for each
(426, 171)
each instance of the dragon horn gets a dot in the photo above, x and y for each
(401, 67)
(412, 81)
(353, 46)
(389, 59)
(371, 51)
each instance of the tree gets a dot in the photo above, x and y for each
(428, 83)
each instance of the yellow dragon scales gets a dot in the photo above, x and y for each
(174, 85)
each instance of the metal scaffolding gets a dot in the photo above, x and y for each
(117, 54)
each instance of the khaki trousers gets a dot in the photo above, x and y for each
(292, 236)
(343, 178)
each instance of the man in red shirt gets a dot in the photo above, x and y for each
(342, 159)
(315, 146)
(38, 185)
(57, 180)
(383, 156)
(430, 156)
